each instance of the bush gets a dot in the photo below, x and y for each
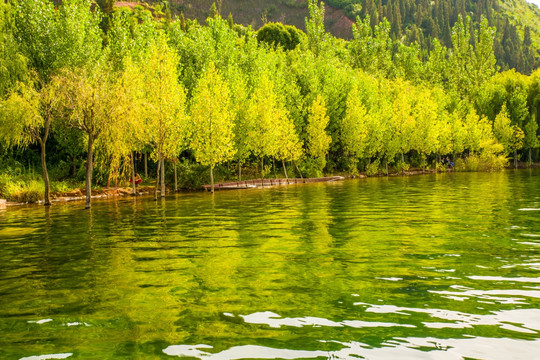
(373, 168)
(192, 176)
(22, 191)
(312, 168)
(489, 159)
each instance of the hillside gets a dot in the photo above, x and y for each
(518, 23)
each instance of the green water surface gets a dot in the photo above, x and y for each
(428, 267)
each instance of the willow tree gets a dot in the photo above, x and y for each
(318, 141)
(212, 121)
(49, 40)
(117, 144)
(25, 118)
(86, 105)
(13, 64)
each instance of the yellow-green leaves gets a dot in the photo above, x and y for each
(20, 120)
(354, 130)
(212, 120)
(162, 106)
(318, 141)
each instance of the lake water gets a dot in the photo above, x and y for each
(425, 267)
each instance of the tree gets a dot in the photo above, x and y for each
(316, 35)
(483, 59)
(265, 113)
(50, 42)
(13, 64)
(354, 135)
(502, 128)
(436, 67)
(163, 105)
(26, 118)
(277, 34)
(403, 121)
(212, 121)
(460, 57)
(318, 141)
(457, 134)
(424, 134)
(86, 105)
(531, 140)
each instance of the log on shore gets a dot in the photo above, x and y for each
(257, 183)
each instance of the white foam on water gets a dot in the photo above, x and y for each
(390, 278)
(42, 321)
(501, 278)
(49, 356)
(398, 348)
(242, 352)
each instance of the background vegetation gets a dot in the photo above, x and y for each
(100, 92)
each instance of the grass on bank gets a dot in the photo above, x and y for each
(22, 185)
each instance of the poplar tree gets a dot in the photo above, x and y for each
(164, 106)
(265, 112)
(318, 141)
(354, 130)
(212, 121)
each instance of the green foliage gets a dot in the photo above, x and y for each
(277, 34)
(316, 35)
(221, 91)
(20, 190)
(212, 120)
(317, 138)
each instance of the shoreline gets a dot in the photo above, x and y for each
(120, 192)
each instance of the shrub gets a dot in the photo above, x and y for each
(373, 168)
(21, 191)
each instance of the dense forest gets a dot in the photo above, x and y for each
(89, 92)
(516, 45)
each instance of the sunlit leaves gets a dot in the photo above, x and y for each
(212, 120)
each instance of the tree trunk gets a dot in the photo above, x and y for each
(157, 176)
(423, 165)
(262, 171)
(47, 200)
(212, 179)
(515, 159)
(175, 179)
(89, 170)
(402, 164)
(162, 176)
(145, 165)
(530, 158)
(239, 171)
(285, 170)
(297, 169)
(134, 185)
(274, 166)
(386, 167)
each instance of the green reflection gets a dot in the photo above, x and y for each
(309, 267)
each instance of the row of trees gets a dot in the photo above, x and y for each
(215, 94)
